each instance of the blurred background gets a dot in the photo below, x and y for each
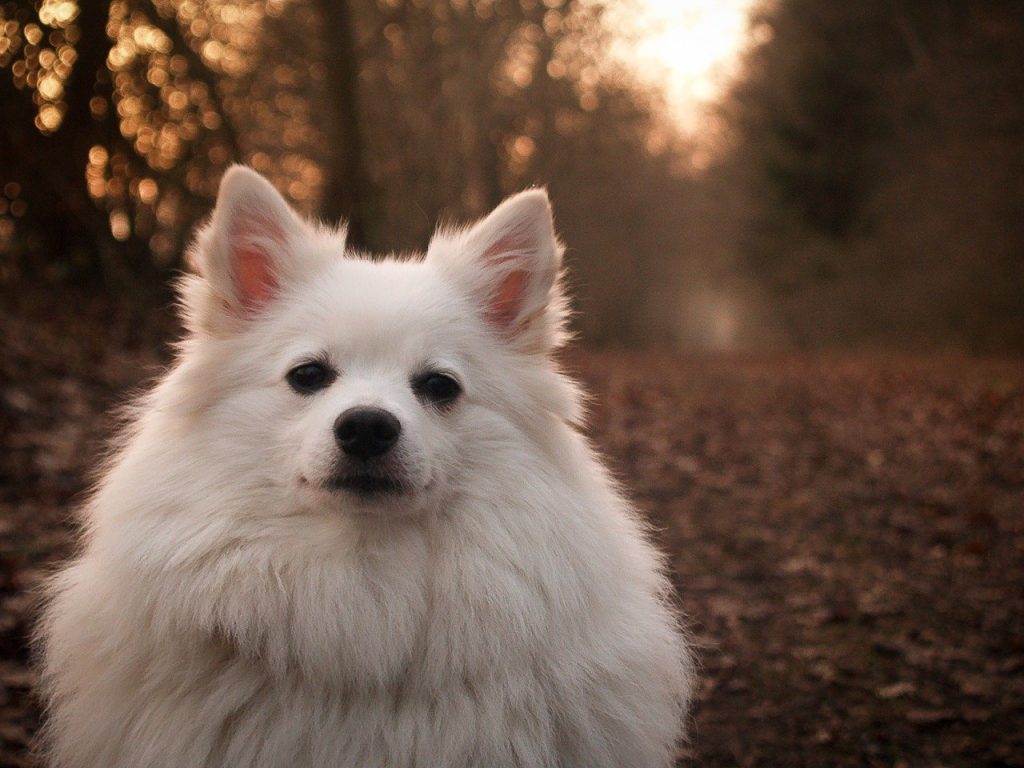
(730, 175)
(795, 238)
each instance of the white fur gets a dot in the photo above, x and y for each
(225, 610)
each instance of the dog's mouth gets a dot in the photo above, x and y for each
(367, 485)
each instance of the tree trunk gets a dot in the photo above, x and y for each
(62, 218)
(350, 192)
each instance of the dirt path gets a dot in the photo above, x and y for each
(849, 541)
(847, 534)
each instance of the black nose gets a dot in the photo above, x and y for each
(366, 432)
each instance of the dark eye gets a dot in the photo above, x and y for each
(438, 388)
(310, 377)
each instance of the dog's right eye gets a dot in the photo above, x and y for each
(310, 377)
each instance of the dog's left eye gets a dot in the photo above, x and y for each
(310, 377)
(438, 388)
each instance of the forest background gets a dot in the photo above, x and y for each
(859, 182)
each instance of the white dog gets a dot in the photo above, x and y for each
(356, 526)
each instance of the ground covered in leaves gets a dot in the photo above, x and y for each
(847, 532)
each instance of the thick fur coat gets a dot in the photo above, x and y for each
(245, 596)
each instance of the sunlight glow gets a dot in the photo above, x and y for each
(689, 47)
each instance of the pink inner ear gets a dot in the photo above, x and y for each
(505, 247)
(507, 301)
(256, 282)
(252, 234)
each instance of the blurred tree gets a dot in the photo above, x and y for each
(99, 100)
(861, 159)
(386, 113)
(56, 68)
(349, 191)
(467, 101)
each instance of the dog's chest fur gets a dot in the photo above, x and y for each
(412, 648)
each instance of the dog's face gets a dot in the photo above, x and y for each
(368, 386)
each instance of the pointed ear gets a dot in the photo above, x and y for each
(247, 251)
(510, 262)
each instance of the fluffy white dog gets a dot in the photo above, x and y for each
(356, 525)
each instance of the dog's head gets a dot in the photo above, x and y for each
(333, 381)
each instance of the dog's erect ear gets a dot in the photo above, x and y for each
(510, 261)
(247, 251)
